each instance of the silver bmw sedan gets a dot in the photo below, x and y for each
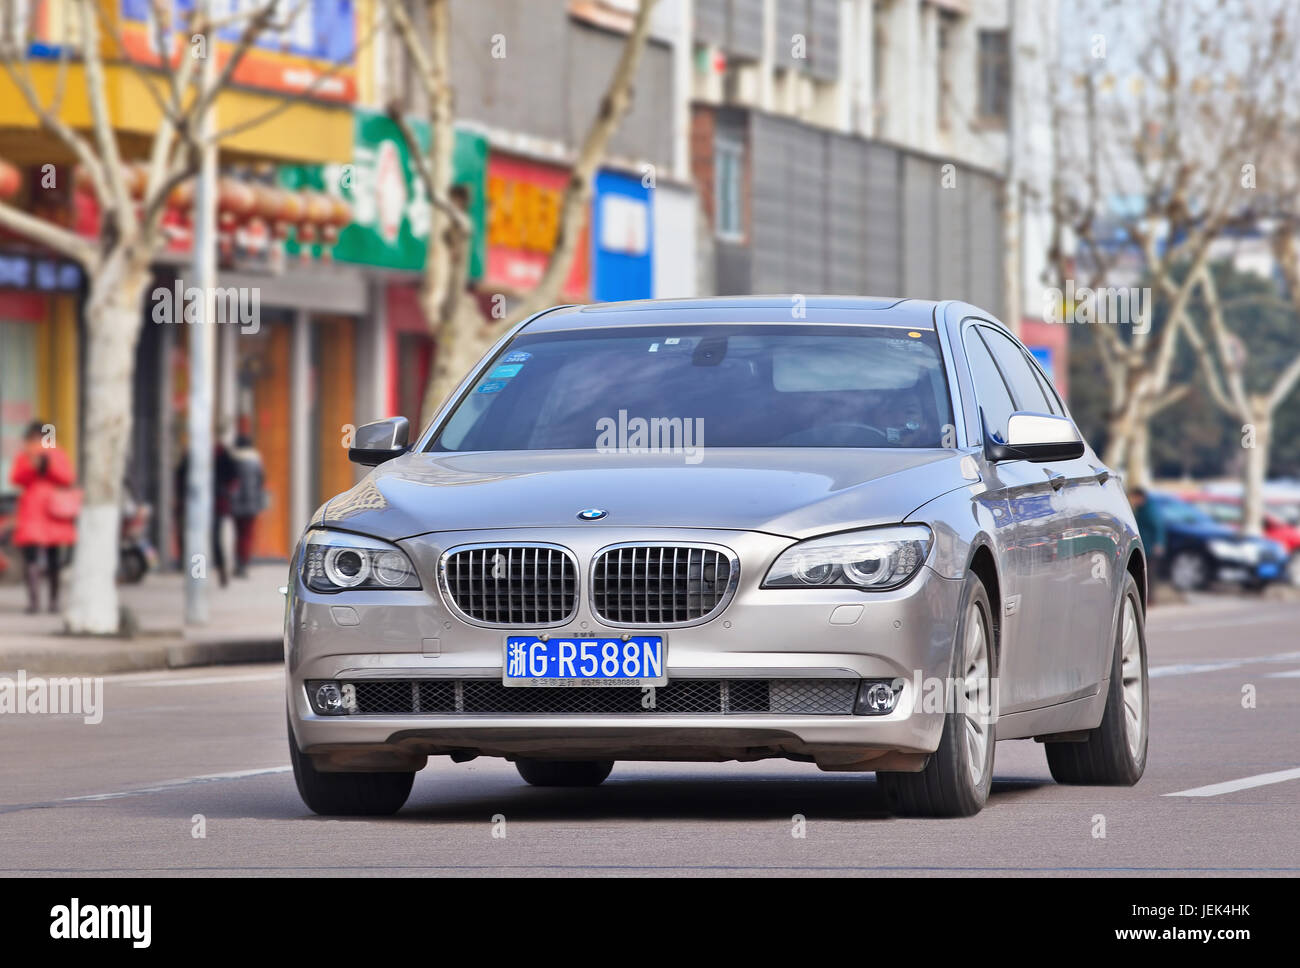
(858, 533)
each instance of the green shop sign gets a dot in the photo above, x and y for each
(390, 208)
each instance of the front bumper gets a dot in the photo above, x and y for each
(776, 634)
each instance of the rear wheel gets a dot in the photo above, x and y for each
(957, 777)
(348, 794)
(565, 773)
(1115, 753)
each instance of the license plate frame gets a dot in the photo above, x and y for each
(552, 654)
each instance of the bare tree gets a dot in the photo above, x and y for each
(117, 262)
(455, 319)
(1225, 361)
(1174, 130)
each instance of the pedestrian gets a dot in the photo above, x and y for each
(223, 480)
(46, 518)
(1151, 529)
(247, 499)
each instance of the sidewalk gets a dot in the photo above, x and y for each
(245, 625)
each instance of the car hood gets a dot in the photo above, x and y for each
(795, 492)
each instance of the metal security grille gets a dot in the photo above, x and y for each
(659, 585)
(528, 585)
(802, 697)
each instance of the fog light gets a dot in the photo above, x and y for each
(878, 697)
(329, 699)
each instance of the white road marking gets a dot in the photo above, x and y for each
(209, 680)
(166, 785)
(1245, 783)
(1233, 622)
(1187, 668)
(1289, 674)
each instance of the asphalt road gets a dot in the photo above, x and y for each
(125, 796)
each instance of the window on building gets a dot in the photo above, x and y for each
(994, 75)
(728, 198)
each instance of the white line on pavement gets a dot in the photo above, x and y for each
(1245, 783)
(1234, 622)
(208, 680)
(1186, 668)
(1289, 674)
(167, 785)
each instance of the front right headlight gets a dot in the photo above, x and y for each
(877, 559)
(335, 561)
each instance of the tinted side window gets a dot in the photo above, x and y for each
(990, 392)
(1019, 374)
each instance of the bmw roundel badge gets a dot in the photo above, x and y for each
(592, 514)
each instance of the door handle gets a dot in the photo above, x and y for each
(1056, 480)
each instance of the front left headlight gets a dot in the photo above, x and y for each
(878, 559)
(335, 561)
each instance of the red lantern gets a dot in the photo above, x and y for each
(11, 179)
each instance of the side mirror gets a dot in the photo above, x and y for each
(381, 440)
(1037, 437)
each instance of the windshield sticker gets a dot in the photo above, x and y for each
(519, 356)
(505, 372)
(495, 386)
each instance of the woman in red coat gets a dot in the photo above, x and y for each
(45, 519)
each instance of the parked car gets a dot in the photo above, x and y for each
(1226, 509)
(1200, 550)
(868, 536)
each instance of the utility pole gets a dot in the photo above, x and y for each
(1012, 283)
(202, 342)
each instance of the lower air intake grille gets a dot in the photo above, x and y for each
(800, 697)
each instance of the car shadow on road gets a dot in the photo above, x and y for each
(692, 797)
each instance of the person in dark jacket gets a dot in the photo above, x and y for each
(247, 499)
(1151, 529)
(46, 520)
(223, 479)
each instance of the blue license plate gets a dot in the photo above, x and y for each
(559, 661)
(1269, 570)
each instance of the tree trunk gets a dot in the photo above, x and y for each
(458, 345)
(113, 317)
(1138, 465)
(1255, 469)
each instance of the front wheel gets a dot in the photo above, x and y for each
(1115, 753)
(565, 773)
(1189, 571)
(957, 777)
(348, 794)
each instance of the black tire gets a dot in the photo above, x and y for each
(564, 773)
(132, 567)
(1195, 563)
(946, 788)
(1107, 759)
(348, 794)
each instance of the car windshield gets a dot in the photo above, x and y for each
(1180, 512)
(761, 385)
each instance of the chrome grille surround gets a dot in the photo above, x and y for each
(539, 588)
(694, 597)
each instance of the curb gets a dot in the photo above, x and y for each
(89, 657)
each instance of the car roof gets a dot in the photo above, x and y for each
(852, 310)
